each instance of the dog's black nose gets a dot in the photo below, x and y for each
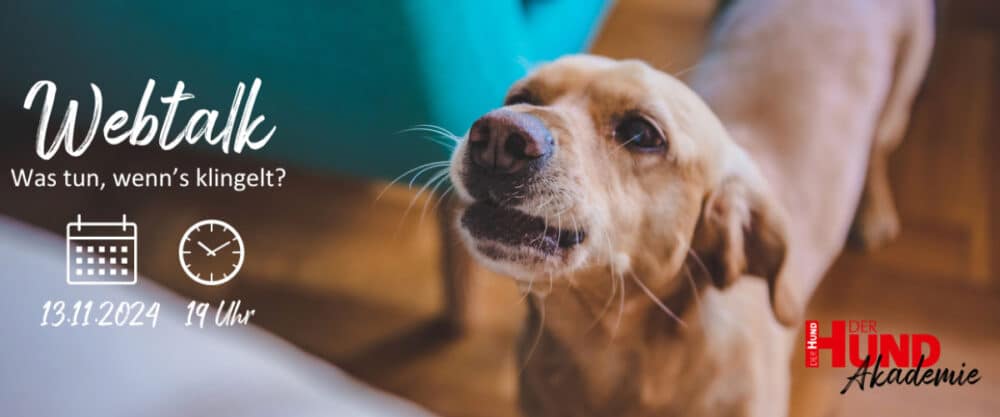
(505, 142)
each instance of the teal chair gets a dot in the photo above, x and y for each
(340, 78)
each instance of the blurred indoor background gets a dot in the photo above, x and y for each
(355, 281)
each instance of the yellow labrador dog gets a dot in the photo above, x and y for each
(670, 236)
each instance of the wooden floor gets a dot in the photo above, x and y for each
(339, 274)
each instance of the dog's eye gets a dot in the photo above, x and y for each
(522, 97)
(638, 134)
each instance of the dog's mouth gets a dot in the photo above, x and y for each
(491, 224)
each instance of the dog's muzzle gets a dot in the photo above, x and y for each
(507, 152)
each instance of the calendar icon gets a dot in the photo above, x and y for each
(101, 253)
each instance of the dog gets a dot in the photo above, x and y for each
(669, 235)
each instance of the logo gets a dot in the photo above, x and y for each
(881, 358)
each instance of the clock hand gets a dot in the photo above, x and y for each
(207, 250)
(221, 246)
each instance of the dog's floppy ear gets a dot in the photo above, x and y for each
(742, 231)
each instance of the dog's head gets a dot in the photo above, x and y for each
(593, 162)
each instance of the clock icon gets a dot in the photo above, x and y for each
(211, 252)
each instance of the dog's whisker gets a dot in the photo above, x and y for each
(422, 171)
(656, 300)
(697, 259)
(565, 195)
(538, 332)
(559, 222)
(430, 197)
(623, 144)
(432, 129)
(527, 292)
(681, 73)
(621, 302)
(437, 132)
(694, 286)
(614, 287)
(717, 314)
(547, 202)
(690, 277)
(439, 129)
(448, 146)
(442, 173)
(443, 134)
(617, 286)
(564, 210)
(545, 229)
(431, 165)
(449, 189)
(666, 68)
(434, 178)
